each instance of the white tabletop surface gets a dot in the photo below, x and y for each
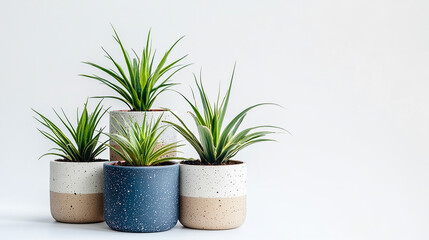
(18, 223)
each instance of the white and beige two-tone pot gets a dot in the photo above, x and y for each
(212, 196)
(126, 116)
(76, 191)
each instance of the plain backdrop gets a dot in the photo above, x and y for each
(352, 76)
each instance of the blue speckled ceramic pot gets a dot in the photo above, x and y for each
(141, 199)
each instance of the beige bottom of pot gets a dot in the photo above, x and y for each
(76, 191)
(212, 196)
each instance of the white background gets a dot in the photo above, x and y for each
(352, 75)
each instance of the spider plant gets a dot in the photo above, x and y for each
(82, 146)
(217, 145)
(144, 80)
(139, 144)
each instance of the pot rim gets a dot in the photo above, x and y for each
(110, 164)
(70, 162)
(226, 165)
(150, 110)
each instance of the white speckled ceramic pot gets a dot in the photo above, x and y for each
(212, 196)
(76, 191)
(167, 137)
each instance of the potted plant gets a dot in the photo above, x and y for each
(76, 178)
(213, 188)
(138, 87)
(141, 192)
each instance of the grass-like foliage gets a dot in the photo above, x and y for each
(139, 144)
(144, 80)
(82, 146)
(217, 145)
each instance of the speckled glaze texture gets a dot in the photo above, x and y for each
(76, 191)
(167, 137)
(141, 199)
(212, 197)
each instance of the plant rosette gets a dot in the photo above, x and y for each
(76, 191)
(141, 198)
(126, 117)
(212, 196)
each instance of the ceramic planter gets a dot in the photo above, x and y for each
(167, 137)
(141, 199)
(212, 196)
(76, 191)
